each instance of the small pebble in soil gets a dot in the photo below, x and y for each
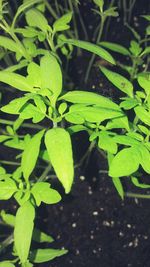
(82, 178)
(74, 225)
(128, 225)
(91, 237)
(95, 213)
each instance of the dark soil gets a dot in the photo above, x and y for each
(93, 223)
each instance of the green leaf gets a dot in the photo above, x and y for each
(9, 44)
(107, 143)
(44, 255)
(34, 75)
(92, 114)
(147, 17)
(144, 82)
(125, 162)
(51, 76)
(115, 48)
(15, 105)
(43, 193)
(118, 185)
(41, 237)
(58, 144)
(142, 114)
(15, 80)
(7, 189)
(99, 51)
(145, 51)
(23, 7)
(135, 48)
(4, 138)
(119, 81)
(6, 264)
(30, 154)
(30, 111)
(36, 19)
(135, 181)
(8, 218)
(24, 224)
(145, 158)
(89, 98)
(129, 103)
(125, 140)
(61, 24)
(117, 123)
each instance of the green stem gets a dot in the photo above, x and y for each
(50, 9)
(134, 195)
(93, 56)
(24, 125)
(86, 155)
(45, 173)
(8, 241)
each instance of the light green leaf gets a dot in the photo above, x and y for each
(44, 255)
(119, 81)
(30, 154)
(125, 162)
(118, 185)
(24, 224)
(7, 189)
(115, 48)
(145, 51)
(58, 144)
(129, 103)
(101, 52)
(30, 111)
(15, 105)
(23, 7)
(125, 140)
(36, 19)
(92, 114)
(107, 143)
(117, 123)
(41, 237)
(61, 24)
(142, 114)
(8, 218)
(4, 138)
(135, 48)
(15, 80)
(89, 98)
(9, 44)
(135, 181)
(51, 76)
(145, 158)
(6, 264)
(34, 75)
(144, 82)
(39, 102)
(43, 193)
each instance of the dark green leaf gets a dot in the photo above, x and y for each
(116, 48)
(44, 255)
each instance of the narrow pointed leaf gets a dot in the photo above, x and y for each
(44, 255)
(115, 48)
(99, 51)
(58, 144)
(119, 81)
(15, 80)
(30, 154)
(24, 224)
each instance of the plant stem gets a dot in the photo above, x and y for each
(86, 155)
(24, 125)
(45, 173)
(50, 9)
(9, 240)
(134, 195)
(93, 56)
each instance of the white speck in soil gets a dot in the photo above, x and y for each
(129, 226)
(145, 237)
(95, 213)
(92, 237)
(121, 234)
(94, 251)
(82, 178)
(74, 225)
(77, 252)
(93, 86)
(106, 223)
(61, 208)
